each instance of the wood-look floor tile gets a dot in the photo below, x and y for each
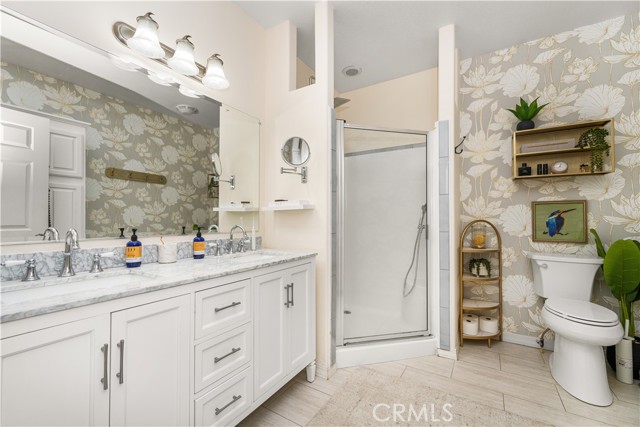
(526, 368)
(263, 417)
(393, 369)
(462, 389)
(431, 364)
(339, 378)
(515, 350)
(299, 403)
(552, 416)
(618, 413)
(625, 392)
(503, 382)
(479, 356)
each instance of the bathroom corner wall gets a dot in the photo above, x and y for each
(585, 73)
(305, 112)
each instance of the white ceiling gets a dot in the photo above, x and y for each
(390, 39)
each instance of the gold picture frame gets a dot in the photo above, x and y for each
(559, 221)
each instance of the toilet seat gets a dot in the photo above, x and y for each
(583, 312)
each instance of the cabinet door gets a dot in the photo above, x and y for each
(150, 364)
(301, 317)
(53, 376)
(269, 331)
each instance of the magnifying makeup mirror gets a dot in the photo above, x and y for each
(216, 165)
(295, 152)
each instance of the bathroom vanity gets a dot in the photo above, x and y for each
(197, 342)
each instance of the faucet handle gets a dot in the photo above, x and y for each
(96, 267)
(30, 273)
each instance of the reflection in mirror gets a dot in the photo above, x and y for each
(216, 165)
(295, 151)
(87, 124)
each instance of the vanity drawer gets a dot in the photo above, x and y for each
(222, 308)
(222, 355)
(226, 402)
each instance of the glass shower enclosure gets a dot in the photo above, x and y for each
(381, 234)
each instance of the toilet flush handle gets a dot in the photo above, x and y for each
(543, 265)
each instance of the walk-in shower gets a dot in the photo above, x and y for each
(381, 268)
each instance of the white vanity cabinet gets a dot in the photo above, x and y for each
(284, 325)
(127, 368)
(53, 376)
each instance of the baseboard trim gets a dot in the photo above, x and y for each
(527, 340)
(448, 354)
(322, 371)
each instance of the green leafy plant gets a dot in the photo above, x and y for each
(596, 139)
(475, 263)
(525, 111)
(621, 270)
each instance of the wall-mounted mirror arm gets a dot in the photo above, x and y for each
(294, 171)
(231, 180)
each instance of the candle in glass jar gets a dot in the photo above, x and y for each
(478, 236)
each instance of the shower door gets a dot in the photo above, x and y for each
(382, 235)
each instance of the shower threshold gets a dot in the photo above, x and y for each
(389, 350)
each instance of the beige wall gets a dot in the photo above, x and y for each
(304, 112)
(409, 102)
(303, 74)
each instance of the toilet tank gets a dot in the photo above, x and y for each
(563, 276)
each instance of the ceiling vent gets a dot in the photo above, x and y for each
(186, 109)
(351, 71)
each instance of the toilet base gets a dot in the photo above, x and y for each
(581, 370)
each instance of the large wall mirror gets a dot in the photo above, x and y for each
(91, 141)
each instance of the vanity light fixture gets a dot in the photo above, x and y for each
(183, 60)
(161, 78)
(144, 40)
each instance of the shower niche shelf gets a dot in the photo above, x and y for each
(490, 287)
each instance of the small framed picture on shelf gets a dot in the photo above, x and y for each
(562, 221)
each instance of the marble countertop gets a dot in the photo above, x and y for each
(19, 300)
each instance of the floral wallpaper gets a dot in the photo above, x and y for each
(127, 136)
(590, 72)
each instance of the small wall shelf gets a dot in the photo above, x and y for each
(289, 205)
(472, 305)
(567, 134)
(237, 209)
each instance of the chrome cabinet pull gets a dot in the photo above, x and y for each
(235, 399)
(233, 350)
(120, 374)
(105, 372)
(288, 302)
(233, 304)
(292, 294)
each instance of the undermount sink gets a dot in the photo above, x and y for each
(105, 279)
(244, 257)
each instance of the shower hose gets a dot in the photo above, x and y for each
(415, 256)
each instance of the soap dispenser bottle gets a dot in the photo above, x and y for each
(198, 246)
(133, 251)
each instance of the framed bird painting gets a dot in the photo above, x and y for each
(561, 221)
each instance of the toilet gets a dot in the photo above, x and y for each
(581, 327)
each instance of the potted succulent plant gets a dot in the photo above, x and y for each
(526, 112)
(621, 270)
(480, 267)
(596, 140)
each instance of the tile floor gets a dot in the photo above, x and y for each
(507, 376)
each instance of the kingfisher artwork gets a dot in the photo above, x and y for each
(562, 221)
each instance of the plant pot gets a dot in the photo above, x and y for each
(527, 124)
(611, 358)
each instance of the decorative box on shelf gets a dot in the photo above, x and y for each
(555, 147)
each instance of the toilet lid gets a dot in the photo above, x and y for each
(581, 312)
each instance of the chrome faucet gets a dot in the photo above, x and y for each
(70, 243)
(50, 234)
(241, 244)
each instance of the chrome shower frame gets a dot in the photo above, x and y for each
(341, 125)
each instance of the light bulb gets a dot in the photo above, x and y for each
(183, 60)
(145, 40)
(214, 77)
